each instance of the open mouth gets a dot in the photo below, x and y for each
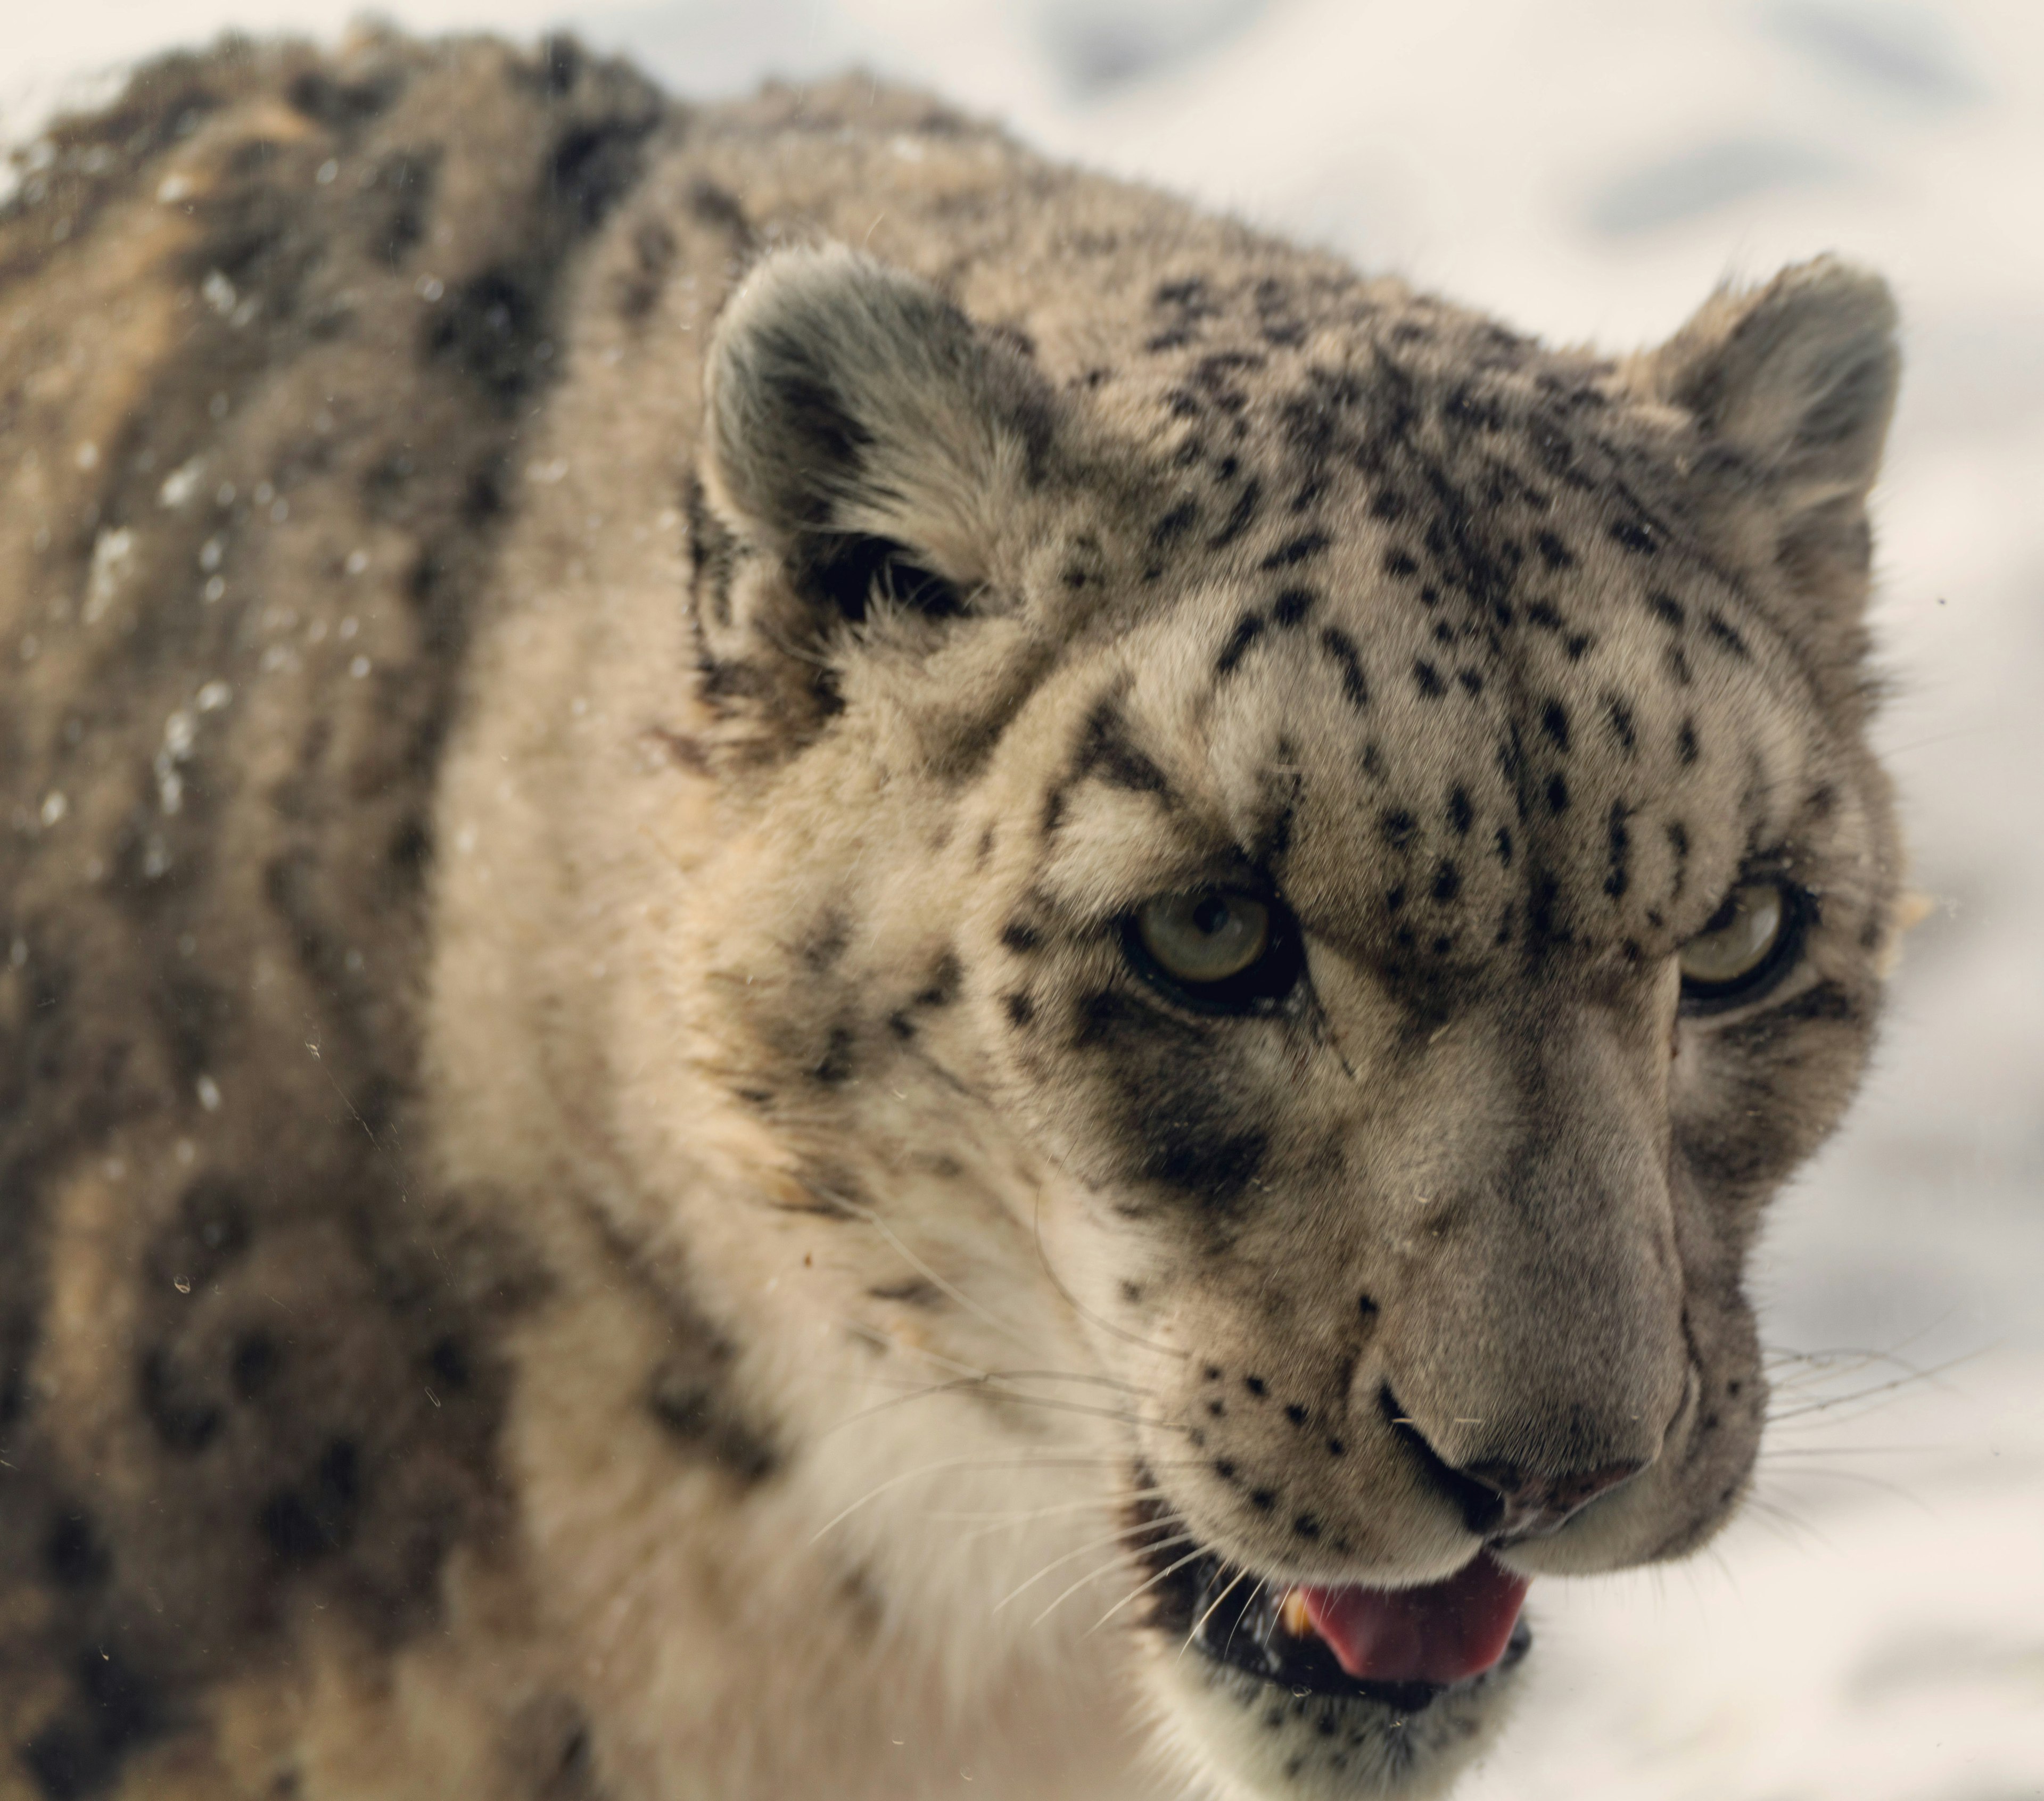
(1400, 1647)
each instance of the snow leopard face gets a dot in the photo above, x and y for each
(1402, 859)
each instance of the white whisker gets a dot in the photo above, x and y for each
(1115, 1564)
(1130, 1600)
(1119, 1536)
(1198, 1625)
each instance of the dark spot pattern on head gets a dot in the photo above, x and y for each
(1555, 722)
(1553, 552)
(1448, 883)
(1666, 608)
(1107, 754)
(1557, 794)
(1460, 814)
(1685, 742)
(1428, 680)
(1637, 536)
(1399, 827)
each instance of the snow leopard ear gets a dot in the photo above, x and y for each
(1792, 386)
(864, 445)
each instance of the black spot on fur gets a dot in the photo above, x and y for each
(254, 1363)
(1107, 754)
(595, 165)
(185, 1414)
(942, 987)
(1472, 682)
(1460, 814)
(1448, 883)
(1553, 552)
(1239, 516)
(1400, 563)
(1619, 839)
(1555, 722)
(1678, 834)
(1020, 937)
(1667, 610)
(1398, 827)
(837, 1063)
(1290, 608)
(1685, 742)
(74, 1553)
(1247, 629)
(110, 1713)
(317, 1515)
(1501, 846)
(1021, 1009)
(1341, 648)
(1721, 631)
(1618, 715)
(1428, 680)
(826, 944)
(1174, 525)
(1677, 664)
(1557, 794)
(491, 328)
(342, 106)
(1637, 536)
(1297, 550)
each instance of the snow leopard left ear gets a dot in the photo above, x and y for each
(1792, 386)
(866, 446)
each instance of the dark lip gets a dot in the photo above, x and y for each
(1233, 1618)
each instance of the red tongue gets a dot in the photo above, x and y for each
(1439, 1634)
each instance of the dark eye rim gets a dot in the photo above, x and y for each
(1263, 987)
(1701, 999)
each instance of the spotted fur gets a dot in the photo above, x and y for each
(596, 1206)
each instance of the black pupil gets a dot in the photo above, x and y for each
(1211, 914)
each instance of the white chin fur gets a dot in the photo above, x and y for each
(1243, 1739)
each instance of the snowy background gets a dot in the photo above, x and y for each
(1873, 1627)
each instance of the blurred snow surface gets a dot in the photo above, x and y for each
(1874, 1627)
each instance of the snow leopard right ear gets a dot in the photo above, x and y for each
(1791, 385)
(864, 444)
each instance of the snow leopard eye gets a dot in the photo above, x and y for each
(1216, 949)
(1745, 946)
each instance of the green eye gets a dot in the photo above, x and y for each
(1748, 943)
(1215, 950)
(1205, 937)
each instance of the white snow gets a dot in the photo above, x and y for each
(1874, 1628)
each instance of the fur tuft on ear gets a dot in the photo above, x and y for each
(1792, 386)
(859, 426)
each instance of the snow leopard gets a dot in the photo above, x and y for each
(833, 964)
